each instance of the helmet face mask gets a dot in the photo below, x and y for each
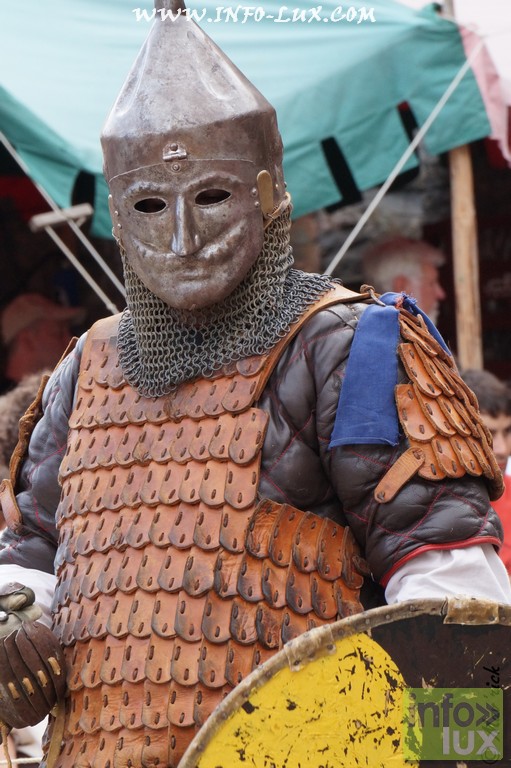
(192, 229)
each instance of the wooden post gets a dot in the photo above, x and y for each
(465, 260)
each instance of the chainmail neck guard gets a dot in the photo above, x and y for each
(161, 347)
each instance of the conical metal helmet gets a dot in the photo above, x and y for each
(184, 100)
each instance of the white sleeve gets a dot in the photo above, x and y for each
(475, 571)
(41, 582)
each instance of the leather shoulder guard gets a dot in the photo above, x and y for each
(439, 415)
(8, 504)
(29, 419)
(26, 425)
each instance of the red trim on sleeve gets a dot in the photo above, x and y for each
(427, 547)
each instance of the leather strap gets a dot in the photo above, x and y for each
(338, 295)
(9, 506)
(408, 464)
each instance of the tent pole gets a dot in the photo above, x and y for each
(79, 214)
(74, 228)
(465, 250)
(81, 269)
(465, 260)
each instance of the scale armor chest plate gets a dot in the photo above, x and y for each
(174, 579)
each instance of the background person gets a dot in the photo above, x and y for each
(35, 332)
(494, 398)
(401, 264)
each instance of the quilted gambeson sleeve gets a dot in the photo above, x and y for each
(30, 539)
(432, 490)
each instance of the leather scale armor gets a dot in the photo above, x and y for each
(174, 580)
(440, 416)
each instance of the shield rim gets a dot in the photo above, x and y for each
(319, 641)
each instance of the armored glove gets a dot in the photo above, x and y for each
(32, 675)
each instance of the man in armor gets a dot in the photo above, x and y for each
(218, 469)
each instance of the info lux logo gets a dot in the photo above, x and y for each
(453, 723)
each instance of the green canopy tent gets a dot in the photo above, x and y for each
(337, 85)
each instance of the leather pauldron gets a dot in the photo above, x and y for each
(439, 415)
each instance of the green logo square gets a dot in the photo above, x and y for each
(453, 724)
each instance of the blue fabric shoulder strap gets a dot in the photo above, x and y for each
(366, 413)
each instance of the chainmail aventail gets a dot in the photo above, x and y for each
(161, 347)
